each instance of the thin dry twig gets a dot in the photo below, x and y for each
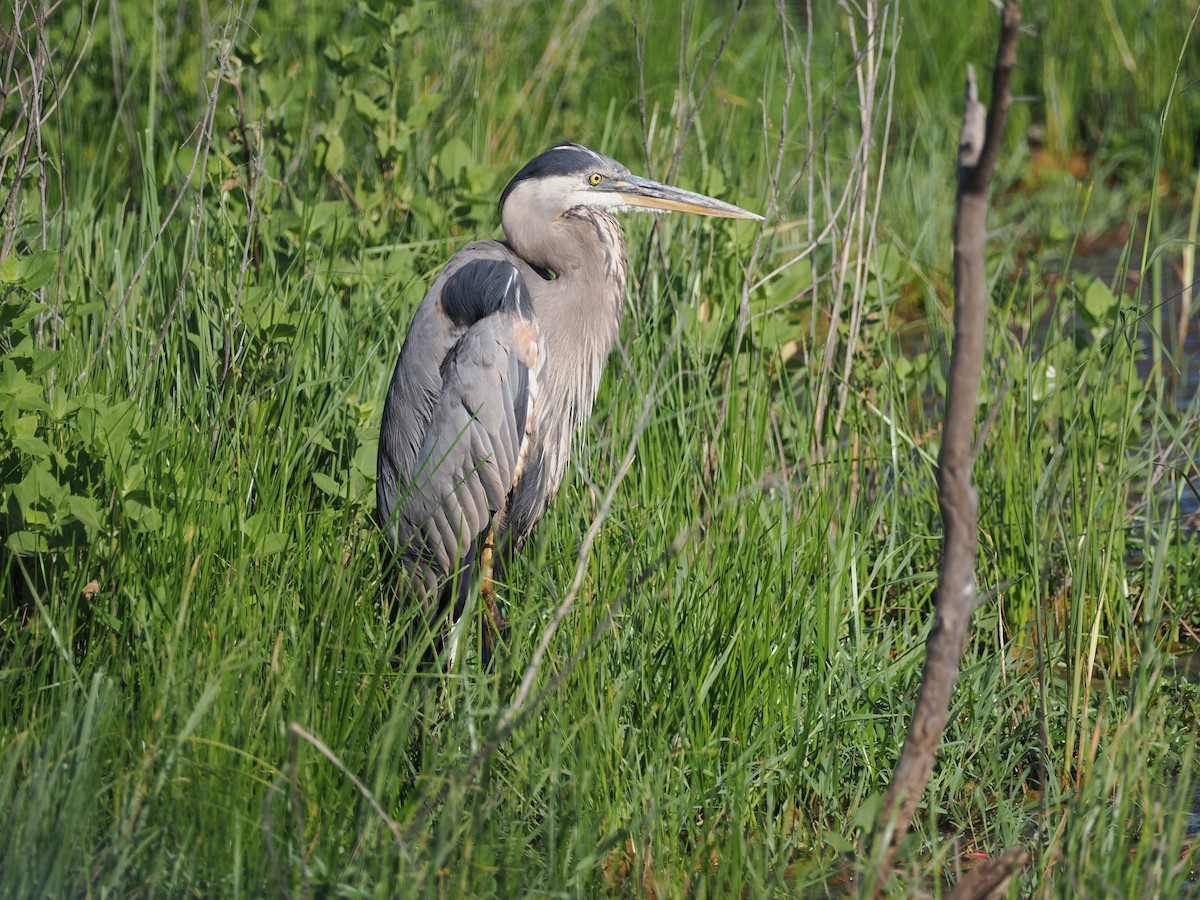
(868, 222)
(688, 117)
(32, 136)
(606, 626)
(75, 53)
(649, 404)
(204, 137)
(298, 809)
(392, 825)
(687, 121)
(852, 250)
(229, 355)
(564, 49)
(223, 66)
(639, 46)
(35, 113)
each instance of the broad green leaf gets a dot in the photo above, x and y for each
(481, 178)
(454, 158)
(32, 445)
(264, 541)
(39, 488)
(142, 513)
(39, 269)
(271, 543)
(326, 484)
(365, 459)
(26, 543)
(18, 309)
(19, 394)
(317, 436)
(85, 511)
(133, 478)
(1098, 305)
(367, 108)
(838, 843)
(335, 153)
(410, 20)
(42, 360)
(30, 272)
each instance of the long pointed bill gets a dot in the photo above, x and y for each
(646, 194)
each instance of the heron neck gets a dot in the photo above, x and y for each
(578, 313)
(590, 279)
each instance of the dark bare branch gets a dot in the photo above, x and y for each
(990, 879)
(956, 598)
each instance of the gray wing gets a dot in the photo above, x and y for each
(416, 381)
(474, 441)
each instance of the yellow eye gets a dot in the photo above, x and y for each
(595, 178)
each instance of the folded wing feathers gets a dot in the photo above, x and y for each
(478, 438)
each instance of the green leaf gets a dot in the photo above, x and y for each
(367, 108)
(26, 543)
(18, 309)
(335, 153)
(481, 178)
(365, 459)
(133, 478)
(38, 489)
(1098, 305)
(263, 540)
(326, 484)
(18, 393)
(868, 812)
(39, 269)
(32, 445)
(317, 437)
(412, 19)
(30, 272)
(85, 511)
(42, 360)
(271, 543)
(838, 843)
(25, 425)
(142, 514)
(104, 617)
(454, 159)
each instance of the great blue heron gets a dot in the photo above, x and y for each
(501, 364)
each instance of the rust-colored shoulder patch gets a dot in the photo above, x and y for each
(525, 337)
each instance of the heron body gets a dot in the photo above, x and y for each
(501, 365)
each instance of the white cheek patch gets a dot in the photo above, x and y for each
(605, 200)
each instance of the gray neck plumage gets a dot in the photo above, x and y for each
(579, 317)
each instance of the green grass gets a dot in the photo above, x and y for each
(190, 624)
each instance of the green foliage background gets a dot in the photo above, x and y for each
(198, 319)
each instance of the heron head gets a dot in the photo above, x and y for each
(570, 176)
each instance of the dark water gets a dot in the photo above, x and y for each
(1162, 288)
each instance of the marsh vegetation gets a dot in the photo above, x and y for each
(216, 223)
